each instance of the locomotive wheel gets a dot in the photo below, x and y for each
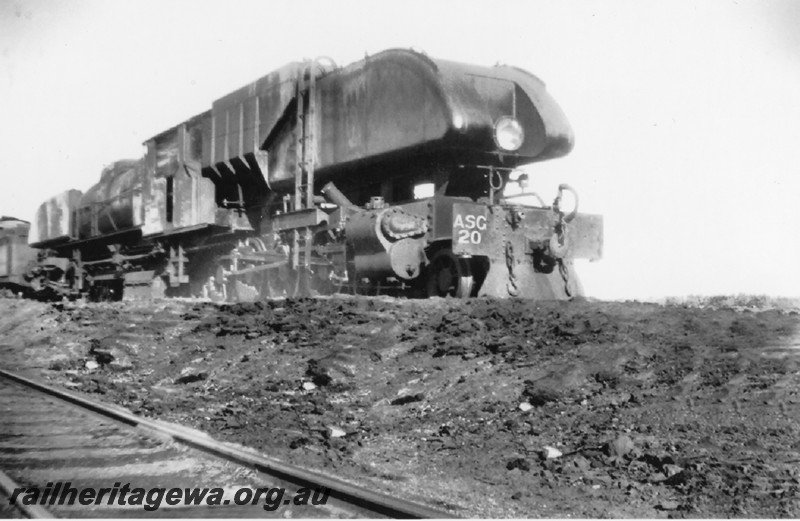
(281, 282)
(215, 287)
(448, 276)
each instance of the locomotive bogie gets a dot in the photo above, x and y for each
(496, 250)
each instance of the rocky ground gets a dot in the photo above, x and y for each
(486, 408)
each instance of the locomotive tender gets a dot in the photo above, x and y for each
(312, 179)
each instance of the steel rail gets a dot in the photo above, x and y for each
(366, 500)
(8, 486)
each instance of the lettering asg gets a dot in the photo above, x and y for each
(468, 228)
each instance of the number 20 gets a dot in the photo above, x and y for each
(469, 237)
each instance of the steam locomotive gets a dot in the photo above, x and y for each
(389, 175)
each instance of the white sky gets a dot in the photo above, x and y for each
(686, 114)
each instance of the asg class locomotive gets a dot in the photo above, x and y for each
(389, 175)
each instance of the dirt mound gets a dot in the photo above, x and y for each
(504, 408)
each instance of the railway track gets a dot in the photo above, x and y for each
(54, 441)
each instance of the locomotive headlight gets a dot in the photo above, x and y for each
(508, 134)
